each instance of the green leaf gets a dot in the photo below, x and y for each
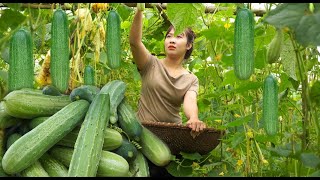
(245, 87)
(310, 160)
(213, 75)
(191, 156)
(308, 30)
(14, 6)
(5, 54)
(193, 63)
(239, 121)
(315, 174)
(285, 83)
(315, 93)
(178, 171)
(294, 83)
(280, 151)
(260, 58)
(10, 19)
(4, 76)
(229, 78)
(236, 139)
(103, 57)
(298, 17)
(286, 15)
(183, 15)
(124, 11)
(136, 74)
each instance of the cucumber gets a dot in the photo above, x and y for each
(86, 92)
(89, 143)
(112, 138)
(139, 167)
(89, 75)
(52, 166)
(128, 121)
(35, 169)
(29, 104)
(21, 66)
(127, 150)
(270, 105)
(51, 90)
(2, 150)
(32, 145)
(36, 121)
(2, 173)
(154, 148)
(60, 61)
(275, 46)
(113, 39)
(110, 164)
(6, 120)
(244, 44)
(116, 90)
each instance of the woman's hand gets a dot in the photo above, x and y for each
(196, 125)
(141, 6)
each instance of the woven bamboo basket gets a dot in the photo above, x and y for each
(180, 138)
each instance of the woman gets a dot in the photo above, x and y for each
(166, 85)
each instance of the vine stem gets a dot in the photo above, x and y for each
(304, 93)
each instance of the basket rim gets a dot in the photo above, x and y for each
(178, 126)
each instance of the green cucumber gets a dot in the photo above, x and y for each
(89, 75)
(113, 39)
(127, 150)
(52, 166)
(128, 121)
(110, 164)
(86, 92)
(32, 145)
(154, 148)
(27, 104)
(36, 121)
(270, 105)
(244, 44)
(21, 66)
(34, 170)
(51, 90)
(6, 120)
(112, 138)
(139, 167)
(59, 62)
(89, 143)
(275, 46)
(116, 90)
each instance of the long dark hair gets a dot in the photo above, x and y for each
(190, 39)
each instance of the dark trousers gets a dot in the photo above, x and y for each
(157, 171)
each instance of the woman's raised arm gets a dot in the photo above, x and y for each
(139, 52)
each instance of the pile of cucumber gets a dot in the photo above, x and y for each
(89, 132)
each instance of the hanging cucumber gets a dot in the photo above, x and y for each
(244, 44)
(270, 105)
(21, 68)
(59, 63)
(113, 40)
(89, 75)
(275, 47)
